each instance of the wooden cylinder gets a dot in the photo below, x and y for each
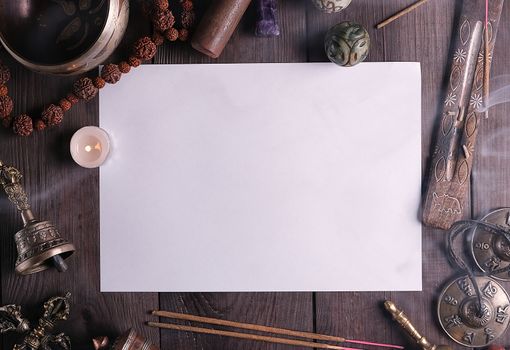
(217, 26)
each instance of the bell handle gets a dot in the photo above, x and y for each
(405, 323)
(10, 178)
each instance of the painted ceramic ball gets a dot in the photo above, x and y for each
(347, 43)
(331, 6)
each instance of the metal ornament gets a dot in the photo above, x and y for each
(133, 341)
(62, 37)
(464, 321)
(347, 43)
(40, 337)
(490, 251)
(130, 340)
(39, 243)
(331, 6)
(410, 329)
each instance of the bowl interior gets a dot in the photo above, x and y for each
(51, 32)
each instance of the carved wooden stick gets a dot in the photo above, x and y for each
(452, 159)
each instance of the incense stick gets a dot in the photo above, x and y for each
(267, 329)
(487, 69)
(401, 13)
(248, 336)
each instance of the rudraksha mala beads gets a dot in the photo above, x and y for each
(144, 49)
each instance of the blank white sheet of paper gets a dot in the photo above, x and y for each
(262, 177)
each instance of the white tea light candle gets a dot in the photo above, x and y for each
(90, 146)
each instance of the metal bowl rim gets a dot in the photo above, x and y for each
(67, 67)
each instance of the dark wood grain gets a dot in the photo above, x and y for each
(291, 310)
(69, 195)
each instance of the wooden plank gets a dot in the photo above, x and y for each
(290, 310)
(244, 47)
(67, 195)
(411, 38)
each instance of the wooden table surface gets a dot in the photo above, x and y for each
(69, 195)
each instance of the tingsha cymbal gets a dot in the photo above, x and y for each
(490, 251)
(471, 321)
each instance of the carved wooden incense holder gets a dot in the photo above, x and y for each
(452, 158)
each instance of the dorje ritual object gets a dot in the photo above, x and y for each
(347, 43)
(267, 18)
(473, 309)
(218, 25)
(39, 243)
(85, 88)
(40, 337)
(331, 6)
(130, 340)
(258, 328)
(491, 251)
(62, 37)
(407, 326)
(401, 13)
(452, 158)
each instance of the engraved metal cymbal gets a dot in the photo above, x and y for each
(490, 251)
(464, 321)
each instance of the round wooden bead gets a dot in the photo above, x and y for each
(53, 115)
(6, 106)
(133, 61)
(161, 4)
(331, 6)
(111, 73)
(65, 104)
(187, 18)
(39, 125)
(72, 98)
(7, 122)
(22, 125)
(84, 88)
(172, 34)
(144, 49)
(5, 74)
(157, 38)
(187, 5)
(163, 19)
(183, 34)
(124, 67)
(347, 43)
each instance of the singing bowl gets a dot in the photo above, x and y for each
(62, 36)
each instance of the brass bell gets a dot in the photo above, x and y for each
(130, 340)
(39, 243)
